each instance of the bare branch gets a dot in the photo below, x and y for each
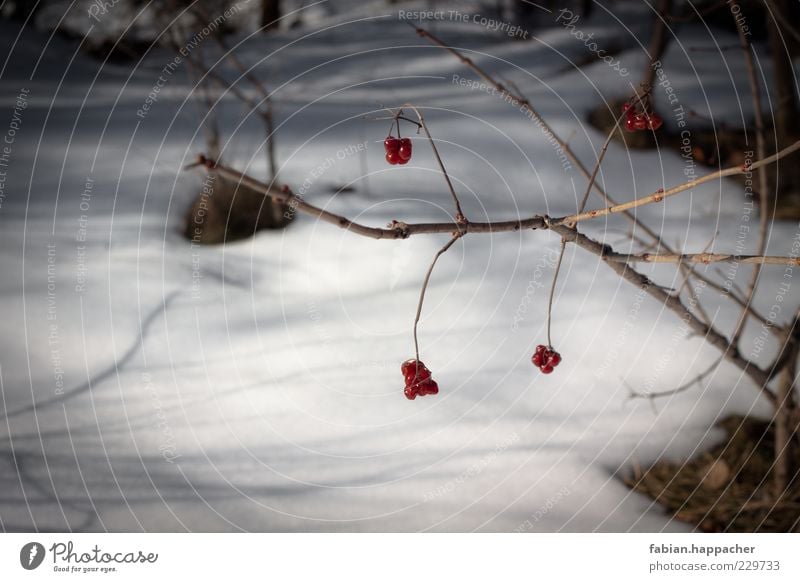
(537, 118)
(693, 295)
(598, 163)
(734, 294)
(704, 258)
(661, 195)
(264, 108)
(395, 230)
(711, 335)
(697, 380)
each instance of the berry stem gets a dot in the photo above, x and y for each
(460, 216)
(597, 164)
(581, 208)
(553, 290)
(443, 250)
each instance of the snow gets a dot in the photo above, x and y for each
(265, 394)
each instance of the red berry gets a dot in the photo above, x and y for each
(630, 124)
(391, 144)
(418, 379)
(428, 387)
(418, 383)
(405, 149)
(393, 158)
(401, 161)
(546, 358)
(655, 121)
(639, 121)
(626, 107)
(412, 369)
(408, 365)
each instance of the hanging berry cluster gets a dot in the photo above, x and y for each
(398, 150)
(546, 358)
(418, 379)
(641, 118)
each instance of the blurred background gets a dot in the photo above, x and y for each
(180, 353)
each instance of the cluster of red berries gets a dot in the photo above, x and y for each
(398, 151)
(418, 379)
(640, 120)
(546, 358)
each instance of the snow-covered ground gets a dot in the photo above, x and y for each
(151, 385)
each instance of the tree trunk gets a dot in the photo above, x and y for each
(784, 470)
(784, 94)
(783, 106)
(270, 13)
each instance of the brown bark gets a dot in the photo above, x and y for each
(784, 427)
(784, 104)
(270, 13)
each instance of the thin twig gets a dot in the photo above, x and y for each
(266, 112)
(761, 151)
(553, 291)
(460, 218)
(263, 108)
(394, 117)
(661, 195)
(703, 258)
(581, 207)
(683, 388)
(734, 293)
(658, 41)
(693, 296)
(596, 169)
(203, 95)
(441, 251)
